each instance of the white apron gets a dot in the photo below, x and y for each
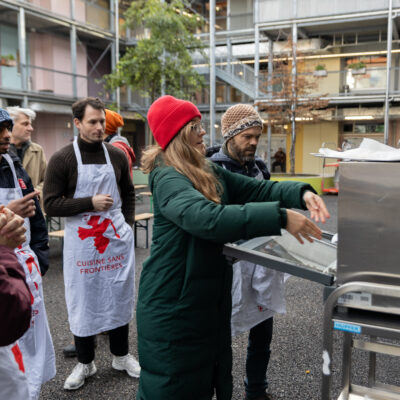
(99, 256)
(257, 293)
(13, 382)
(36, 344)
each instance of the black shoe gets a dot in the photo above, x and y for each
(70, 350)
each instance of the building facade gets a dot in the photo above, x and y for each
(54, 52)
(343, 47)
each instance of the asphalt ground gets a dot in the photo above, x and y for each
(295, 366)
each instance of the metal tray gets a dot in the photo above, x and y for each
(313, 261)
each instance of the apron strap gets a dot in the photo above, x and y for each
(77, 152)
(11, 164)
(79, 157)
(106, 154)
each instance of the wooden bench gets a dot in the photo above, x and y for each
(138, 187)
(57, 235)
(53, 223)
(142, 221)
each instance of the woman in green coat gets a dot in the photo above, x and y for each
(184, 304)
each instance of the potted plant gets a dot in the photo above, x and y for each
(8, 61)
(358, 68)
(320, 70)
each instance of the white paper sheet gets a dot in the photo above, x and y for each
(369, 150)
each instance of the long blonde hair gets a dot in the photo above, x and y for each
(187, 160)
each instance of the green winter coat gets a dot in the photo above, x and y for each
(184, 303)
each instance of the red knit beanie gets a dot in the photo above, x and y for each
(167, 116)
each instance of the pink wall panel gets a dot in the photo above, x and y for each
(41, 55)
(51, 131)
(62, 7)
(54, 53)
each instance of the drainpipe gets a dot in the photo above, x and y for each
(118, 91)
(388, 70)
(229, 45)
(163, 56)
(212, 72)
(72, 40)
(269, 90)
(256, 51)
(22, 53)
(294, 94)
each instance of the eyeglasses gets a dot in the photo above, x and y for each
(197, 128)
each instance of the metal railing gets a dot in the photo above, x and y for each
(333, 84)
(60, 84)
(85, 11)
(234, 72)
(369, 81)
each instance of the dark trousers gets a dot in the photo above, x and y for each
(118, 344)
(278, 164)
(258, 353)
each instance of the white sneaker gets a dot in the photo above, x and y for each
(78, 375)
(127, 363)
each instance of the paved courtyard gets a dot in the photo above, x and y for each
(295, 366)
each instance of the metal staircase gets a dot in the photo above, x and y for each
(236, 73)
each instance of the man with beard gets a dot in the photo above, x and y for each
(241, 129)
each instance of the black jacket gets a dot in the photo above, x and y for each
(39, 237)
(251, 168)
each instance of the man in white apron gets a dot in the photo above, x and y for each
(36, 344)
(88, 182)
(257, 292)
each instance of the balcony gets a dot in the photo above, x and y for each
(96, 13)
(283, 10)
(344, 86)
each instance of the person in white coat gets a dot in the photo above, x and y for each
(257, 292)
(88, 182)
(36, 344)
(15, 308)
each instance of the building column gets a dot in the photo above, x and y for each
(116, 28)
(256, 61)
(22, 54)
(388, 71)
(212, 72)
(269, 91)
(72, 38)
(294, 94)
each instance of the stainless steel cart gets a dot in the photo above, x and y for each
(363, 293)
(365, 306)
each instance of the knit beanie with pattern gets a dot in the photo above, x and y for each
(6, 119)
(237, 119)
(168, 115)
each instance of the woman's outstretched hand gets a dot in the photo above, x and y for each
(316, 206)
(302, 227)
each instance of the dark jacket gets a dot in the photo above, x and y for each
(15, 298)
(39, 237)
(184, 303)
(251, 168)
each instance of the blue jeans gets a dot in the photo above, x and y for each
(258, 353)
